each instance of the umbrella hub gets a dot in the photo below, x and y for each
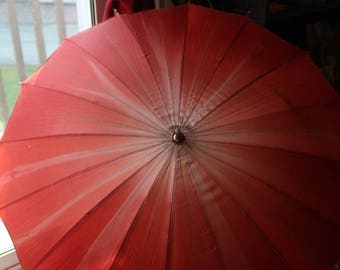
(177, 136)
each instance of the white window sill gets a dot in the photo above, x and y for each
(9, 261)
(8, 256)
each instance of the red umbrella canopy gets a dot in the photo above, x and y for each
(181, 138)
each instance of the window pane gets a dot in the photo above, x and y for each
(6, 241)
(30, 31)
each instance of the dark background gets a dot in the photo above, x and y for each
(312, 25)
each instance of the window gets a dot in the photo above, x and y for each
(30, 31)
(8, 257)
(6, 243)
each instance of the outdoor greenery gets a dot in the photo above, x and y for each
(11, 85)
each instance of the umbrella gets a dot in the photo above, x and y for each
(180, 138)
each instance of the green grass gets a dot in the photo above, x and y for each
(11, 84)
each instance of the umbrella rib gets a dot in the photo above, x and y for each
(116, 76)
(141, 208)
(171, 221)
(226, 52)
(5, 141)
(212, 233)
(276, 149)
(137, 38)
(293, 109)
(74, 174)
(83, 219)
(311, 210)
(100, 105)
(182, 68)
(335, 105)
(245, 87)
(247, 214)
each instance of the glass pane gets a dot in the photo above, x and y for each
(30, 31)
(6, 243)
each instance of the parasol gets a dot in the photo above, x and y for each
(181, 138)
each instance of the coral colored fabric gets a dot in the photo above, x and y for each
(91, 179)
